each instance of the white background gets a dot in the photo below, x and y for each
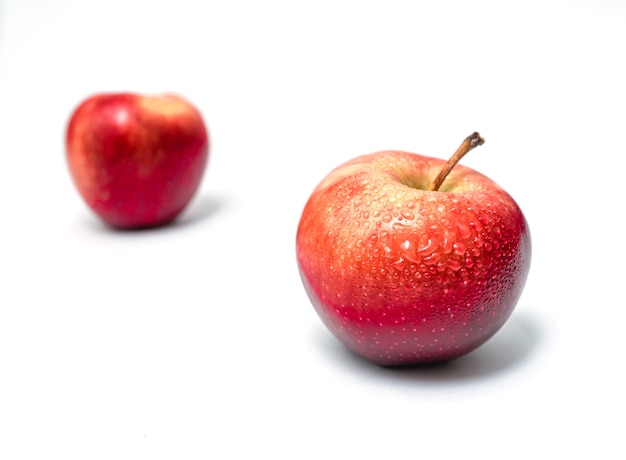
(197, 340)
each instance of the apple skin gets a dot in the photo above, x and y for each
(136, 160)
(402, 275)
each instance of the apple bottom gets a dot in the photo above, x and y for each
(421, 339)
(130, 201)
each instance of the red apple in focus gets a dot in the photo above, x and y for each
(136, 160)
(409, 261)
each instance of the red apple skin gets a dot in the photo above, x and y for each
(136, 160)
(402, 275)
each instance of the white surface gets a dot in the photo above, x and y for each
(198, 341)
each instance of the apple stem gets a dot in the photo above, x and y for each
(471, 141)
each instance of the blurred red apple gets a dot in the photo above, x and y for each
(136, 160)
(409, 261)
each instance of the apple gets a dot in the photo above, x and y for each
(136, 160)
(409, 259)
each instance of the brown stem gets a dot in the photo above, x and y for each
(471, 141)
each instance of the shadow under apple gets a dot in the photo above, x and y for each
(508, 349)
(202, 208)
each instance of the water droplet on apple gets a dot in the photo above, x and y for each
(408, 215)
(430, 246)
(436, 229)
(476, 225)
(432, 258)
(454, 264)
(446, 243)
(464, 231)
(488, 262)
